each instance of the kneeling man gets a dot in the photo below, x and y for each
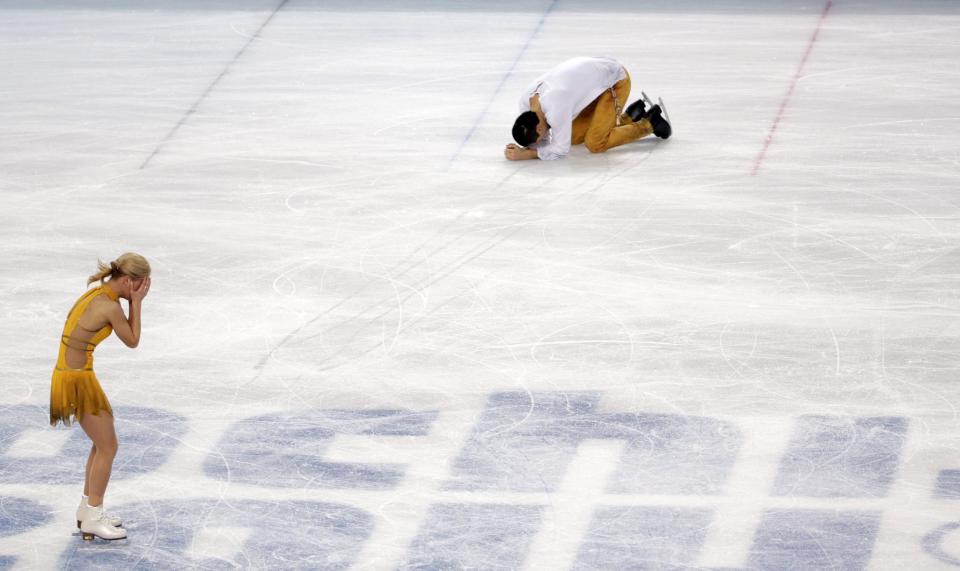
(581, 101)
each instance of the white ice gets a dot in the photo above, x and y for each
(373, 343)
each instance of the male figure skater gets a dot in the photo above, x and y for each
(581, 101)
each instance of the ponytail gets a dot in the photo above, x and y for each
(104, 271)
(129, 264)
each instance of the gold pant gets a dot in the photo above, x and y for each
(603, 125)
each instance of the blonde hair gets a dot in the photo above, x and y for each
(128, 264)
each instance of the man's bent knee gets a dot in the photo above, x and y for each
(596, 146)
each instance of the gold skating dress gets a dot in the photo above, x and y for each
(76, 392)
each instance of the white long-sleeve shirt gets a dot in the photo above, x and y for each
(564, 92)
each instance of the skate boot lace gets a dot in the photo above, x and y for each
(104, 517)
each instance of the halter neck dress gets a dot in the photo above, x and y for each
(75, 392)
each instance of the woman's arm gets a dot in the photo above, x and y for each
(128, 328)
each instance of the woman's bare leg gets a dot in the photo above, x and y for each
(99, 427)
(86, 478)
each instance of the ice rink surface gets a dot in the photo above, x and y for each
(372, 343)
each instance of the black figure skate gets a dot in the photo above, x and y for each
(657, 115)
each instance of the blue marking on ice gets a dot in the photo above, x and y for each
(848, 457)
(811, 540)
(933, 543)
(18, 515)
(643, 537)
(948, 485)
(287, 449)
(524, 442)
(147, 437)
(474, 536)
(284, 535)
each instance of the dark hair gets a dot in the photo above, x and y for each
(525, 129)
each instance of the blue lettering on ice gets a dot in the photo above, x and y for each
(933, 543)
(284, 535)
(643, 537)
(473, 536)
(525, 441)
(287, 449)
(811, 540)
(849, 457)
(18, 515)
(948, 485)
(147, 437)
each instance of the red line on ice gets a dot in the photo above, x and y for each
(793, 84)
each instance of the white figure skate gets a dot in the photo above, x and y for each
(84, 512)
(99, 526)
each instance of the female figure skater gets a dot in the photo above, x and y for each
(75, 393)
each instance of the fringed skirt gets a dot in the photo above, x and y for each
(74, 393)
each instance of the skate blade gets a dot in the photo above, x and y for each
(664, 109)
(92, 536)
